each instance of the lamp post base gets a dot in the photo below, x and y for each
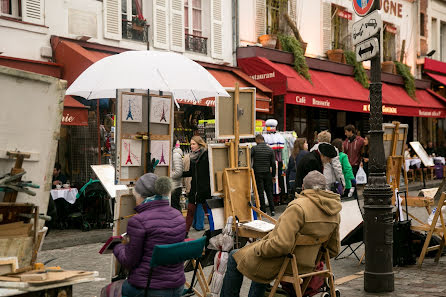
(379, 282)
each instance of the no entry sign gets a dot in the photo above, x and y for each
(363, 7)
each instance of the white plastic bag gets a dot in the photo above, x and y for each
(431, 216)
(361, 177)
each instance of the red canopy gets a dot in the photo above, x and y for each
(336, 91)
(74, 113)
(440, 78)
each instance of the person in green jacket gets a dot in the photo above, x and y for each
(347, 170)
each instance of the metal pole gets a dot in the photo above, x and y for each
(99, 131)
(378, 219)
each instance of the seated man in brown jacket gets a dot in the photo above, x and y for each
(314, 213)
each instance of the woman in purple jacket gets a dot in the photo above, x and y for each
(155, 223)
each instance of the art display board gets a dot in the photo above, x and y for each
(351, 218)
(224, 114)
(138, 114)
(421, 153)
(219, 159)
(106, 175)
(238, 194)
(388, 137)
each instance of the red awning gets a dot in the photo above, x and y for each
(440, 78)
(74, 113)
(339, 92)
(434, 65)
(227, 77)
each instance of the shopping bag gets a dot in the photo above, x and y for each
(361, 177)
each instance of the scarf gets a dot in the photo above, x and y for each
(154, 198)
(195, 155)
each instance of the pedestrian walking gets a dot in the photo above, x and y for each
(300, 149)
(352, 147)
(200, 184)
(177, 174)
(314, 160)
(155, 223)
(263, 163)
(332, 170)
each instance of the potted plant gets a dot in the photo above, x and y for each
(138, 23)
(290, 44)
(358, 69)
(409, 80)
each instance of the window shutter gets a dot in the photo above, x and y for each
(216, 29)
(326, 26)
(292, 10)
(177, 25)
(160, 24)
(33, 11)
(260, 18)
(112, 19)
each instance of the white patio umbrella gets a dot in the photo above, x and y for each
(147, 70)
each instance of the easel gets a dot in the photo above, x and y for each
(17, 169)
(237, 182)
(432, 229)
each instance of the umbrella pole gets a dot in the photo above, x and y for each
(148, 162)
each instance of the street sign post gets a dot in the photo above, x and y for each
(367, 49)
(363, 7)
(367, 27)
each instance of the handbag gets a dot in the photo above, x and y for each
(361, 177)
(402, 238)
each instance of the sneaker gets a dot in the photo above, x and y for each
(273, 213)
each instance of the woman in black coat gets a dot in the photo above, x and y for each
(199, 171)
(300, 149)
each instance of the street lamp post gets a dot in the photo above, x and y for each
(378, 219)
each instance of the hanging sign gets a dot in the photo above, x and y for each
(363, 7)
(367, 27)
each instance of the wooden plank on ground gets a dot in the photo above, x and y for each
(348, 278)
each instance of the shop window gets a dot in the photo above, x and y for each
(389, 44)
(340, 38)
(272, 16)
(11, 8)
(422, 25)
(300, 121)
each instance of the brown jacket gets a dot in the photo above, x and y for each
(314, 213)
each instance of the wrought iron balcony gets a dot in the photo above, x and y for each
(133, 32)
(196, 44)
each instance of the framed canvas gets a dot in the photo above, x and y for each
(131, 152)
(421, 153)
(131, 108)
(224, 114)
(160, 150)
(160, 110)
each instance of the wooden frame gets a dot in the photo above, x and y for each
(219, 159)
(224, 109)
(421, 153)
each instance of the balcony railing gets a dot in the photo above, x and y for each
(132, 32)
(196, 44)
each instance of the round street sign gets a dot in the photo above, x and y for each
(363, 7)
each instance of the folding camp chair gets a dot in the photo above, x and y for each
(175, 253)
(300, 281)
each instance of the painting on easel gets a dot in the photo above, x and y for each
(131, 108)
(160, 150)
(131, 152)
(160, 110)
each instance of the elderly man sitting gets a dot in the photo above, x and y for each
(314, 213)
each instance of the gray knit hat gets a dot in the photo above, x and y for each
(163, 186)
(314, 180)
(145, 185)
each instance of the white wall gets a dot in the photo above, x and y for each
(31, 123)
(25, 40)
(436, 9)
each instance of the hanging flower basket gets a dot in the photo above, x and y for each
(137, 27)
(138, 23)
(336, 55)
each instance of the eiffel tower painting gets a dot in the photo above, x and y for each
(129, 159)
(129, 114)
(131, 152)
(163, 115)
(162, 161)
(160, 151)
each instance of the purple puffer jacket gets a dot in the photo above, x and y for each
(155, 223)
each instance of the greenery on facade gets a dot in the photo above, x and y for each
(290, 44)
(358, 69)
(409, 80)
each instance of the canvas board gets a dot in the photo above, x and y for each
(421, 153)
(388, 138)
(224, 114)
(219, 160)
(131, 110)
(238, 194)
(160, 110)
(131, 152)
(160, 150)
(106, 175)
(351, 217)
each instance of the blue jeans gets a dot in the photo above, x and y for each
(130, 291)
(233, 281)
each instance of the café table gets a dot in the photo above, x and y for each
(69, 194)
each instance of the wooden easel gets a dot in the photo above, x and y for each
(431, 230)
(12, 196)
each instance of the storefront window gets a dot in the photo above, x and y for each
(300, 121)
